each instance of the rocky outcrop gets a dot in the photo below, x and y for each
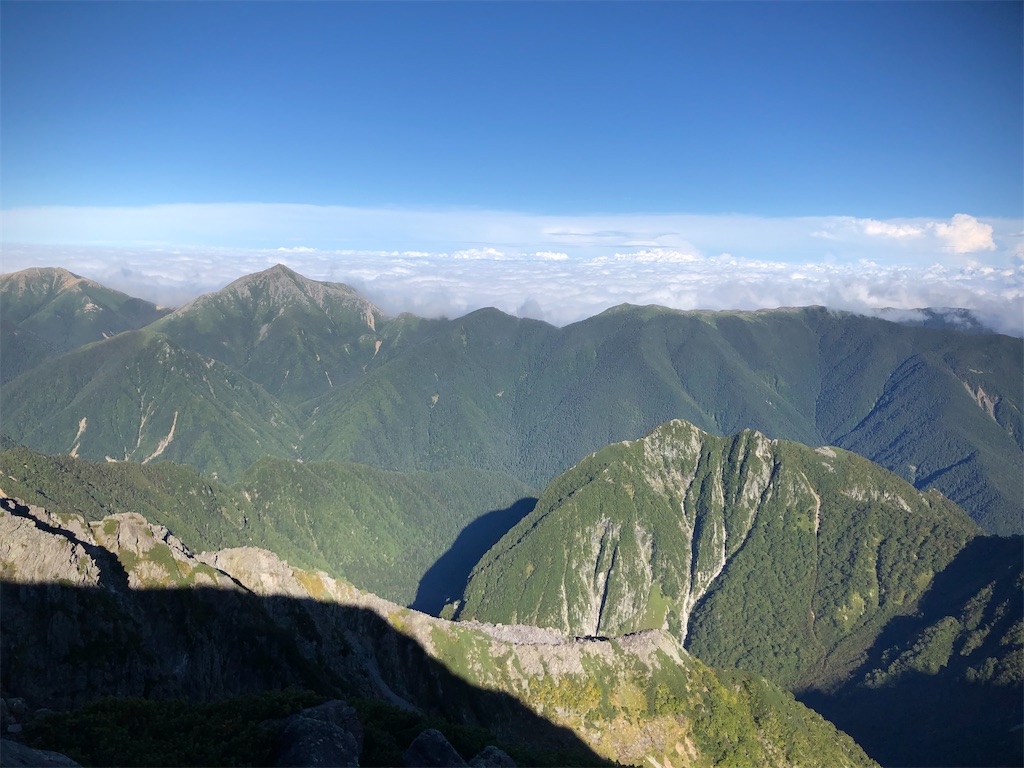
(134, 613)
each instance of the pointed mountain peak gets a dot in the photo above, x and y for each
(279, 286)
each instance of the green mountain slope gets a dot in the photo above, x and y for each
(44, 312)
(297, 338)
(763, 555)
(939, 407)
(139, 397)
(829, 575)
(380, 530)
(442, 394)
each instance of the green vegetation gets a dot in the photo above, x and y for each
(380, 530)
(767, 556)
(44, 312)
(964, 643)
(362, 446)
(279, 365)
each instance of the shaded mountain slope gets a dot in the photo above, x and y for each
(247, 621)
(943, 687)
(46, 311)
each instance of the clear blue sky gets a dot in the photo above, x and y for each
(880, 110)
(546, 158)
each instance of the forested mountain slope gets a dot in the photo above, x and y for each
(44, 312)
(380, 530)
(297, 338)
(939, 407)
(943, 687)
(139, 397)
(812, 567)
(760, 554)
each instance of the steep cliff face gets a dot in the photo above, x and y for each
(756, 553)
(120, 607)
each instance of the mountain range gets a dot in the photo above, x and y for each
(805, 500)
(276, 364)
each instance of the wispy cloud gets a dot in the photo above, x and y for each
(261, 226)
(559, 269)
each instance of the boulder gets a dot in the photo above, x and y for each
(13, 754)
(431, 750)
(492, 757)
(326, 735)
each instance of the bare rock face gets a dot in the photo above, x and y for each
(31, 553)
(256, 569)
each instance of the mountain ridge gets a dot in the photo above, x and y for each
(533, 691)
(941, 408)
(655, 533)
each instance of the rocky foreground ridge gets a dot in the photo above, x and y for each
(121, 607)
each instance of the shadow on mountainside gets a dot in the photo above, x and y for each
(446, 579)
(65, 646)
(941, 719)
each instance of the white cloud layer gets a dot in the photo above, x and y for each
(557, 268)
(558, 290)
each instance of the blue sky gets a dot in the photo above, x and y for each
(341, 135)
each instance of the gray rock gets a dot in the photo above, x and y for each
(338, 713)
(16, 755)
(431, 750)
(327, 735)
(13, 728)
(492, 757)
(17, 706)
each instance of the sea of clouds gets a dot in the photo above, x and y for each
(557, 269)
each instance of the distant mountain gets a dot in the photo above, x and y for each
(939, 407)
(953, 318)
(297, 338)
(120, 606)
(44, 312)
(139, 397)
